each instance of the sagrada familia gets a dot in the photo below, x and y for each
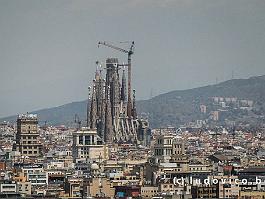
(110, 109)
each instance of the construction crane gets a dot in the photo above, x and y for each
(129, 53)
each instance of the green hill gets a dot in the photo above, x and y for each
(176, 107)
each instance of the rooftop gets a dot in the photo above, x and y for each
(27, 116)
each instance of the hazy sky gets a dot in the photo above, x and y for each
(48, 48)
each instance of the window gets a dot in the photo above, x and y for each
(8, 186)
(93, 139)
(80, 139)
(87, 140)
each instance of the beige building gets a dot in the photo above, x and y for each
(149, 191)
(24, 188)
(27, 142)
(179, 155)
(215, 115)
(100, 187)
(87, 145)
(252, 195)
(75, 187)
(228, 186)
(163, 147)
(203, 109)
(197, 168)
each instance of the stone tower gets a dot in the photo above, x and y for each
(27, 142)
(108, 107)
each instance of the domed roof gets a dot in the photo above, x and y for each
(94, 166)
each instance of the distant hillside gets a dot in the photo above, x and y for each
(61, 115)
(178, 107)
(173, 108)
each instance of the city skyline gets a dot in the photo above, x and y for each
(49, 48)
(132, 99)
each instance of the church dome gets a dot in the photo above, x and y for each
(94, 166)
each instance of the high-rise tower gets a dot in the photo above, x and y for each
(27, 142)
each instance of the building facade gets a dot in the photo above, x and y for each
(27, 137)
(87, 145)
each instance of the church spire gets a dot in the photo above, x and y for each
(88, 107)
(134, 113)
(108, 120)
(93, 112)
(123, 86)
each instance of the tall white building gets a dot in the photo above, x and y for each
(163, 147)
(87, 145)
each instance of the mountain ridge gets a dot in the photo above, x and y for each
(171, 108)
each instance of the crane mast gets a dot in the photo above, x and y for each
(129, 53)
